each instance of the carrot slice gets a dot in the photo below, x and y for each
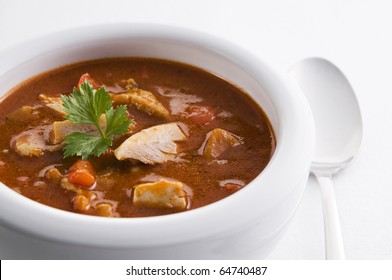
(86, 77)
(82, 174)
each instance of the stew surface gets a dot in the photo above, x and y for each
(210, 139)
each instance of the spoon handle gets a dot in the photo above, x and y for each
(334, 249)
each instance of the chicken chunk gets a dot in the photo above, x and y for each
(33, 142)
(160, 194)
(63, 128)
(152, 145)
(218, 141)
(54, 103)
(24, 114)
(143, 100)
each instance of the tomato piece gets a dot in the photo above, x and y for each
(82, 174)
(232, 187)
(86, 77)
(201, 115)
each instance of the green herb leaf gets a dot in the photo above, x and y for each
(86, 106)
(117, 121)
(84, 145)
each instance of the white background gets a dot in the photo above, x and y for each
(355, 35)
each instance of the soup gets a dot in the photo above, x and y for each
(171, 138)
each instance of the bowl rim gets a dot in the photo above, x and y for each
(292, 156)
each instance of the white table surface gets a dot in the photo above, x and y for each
(356, 35)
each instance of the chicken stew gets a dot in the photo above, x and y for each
(161, 137)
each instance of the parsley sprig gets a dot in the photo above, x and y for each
(86, 106)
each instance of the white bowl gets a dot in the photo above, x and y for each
(245, 225)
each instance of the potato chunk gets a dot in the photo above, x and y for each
(218, 141)
(160, 194)
(143, 100)
(152, 145)
(63, 128)
(54, 103)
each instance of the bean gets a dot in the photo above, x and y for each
(81, 202)
(104, 209)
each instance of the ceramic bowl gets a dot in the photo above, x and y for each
(245, 225)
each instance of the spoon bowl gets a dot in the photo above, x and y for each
(336, 113)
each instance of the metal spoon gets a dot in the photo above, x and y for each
(338, 125)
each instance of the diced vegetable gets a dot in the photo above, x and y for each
(232, 184)
(65, 184)
(152, 145)
(201, 115)
(218, 141)
(160, 194)
(53, 175)
(232, 187)
(81, 203)
(82, 199)
(82, 174)
(104, 209)
(86, 77)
